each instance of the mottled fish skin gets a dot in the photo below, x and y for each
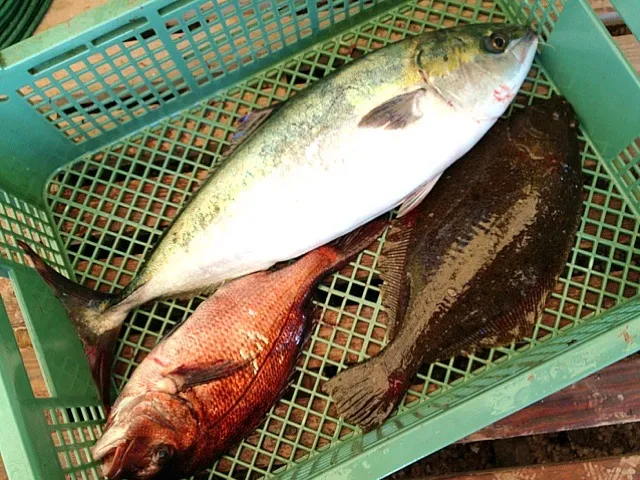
(211, 381)
(473, 265)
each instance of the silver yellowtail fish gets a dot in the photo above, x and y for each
(365, 127)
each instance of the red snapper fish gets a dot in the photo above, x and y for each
(212, 380)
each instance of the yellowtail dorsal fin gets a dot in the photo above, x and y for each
(249, 124)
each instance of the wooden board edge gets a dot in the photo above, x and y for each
(610, 468)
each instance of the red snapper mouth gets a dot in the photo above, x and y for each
(114, 464)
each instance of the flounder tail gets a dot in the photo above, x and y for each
(366, 394)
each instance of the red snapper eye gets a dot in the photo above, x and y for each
(162, 454)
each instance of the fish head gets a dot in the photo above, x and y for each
(477, 69)
(547, 129)
(551, 119)
(147, 436)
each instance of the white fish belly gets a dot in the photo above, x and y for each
(343, 183)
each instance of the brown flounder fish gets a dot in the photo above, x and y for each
(212, 381)
(472, 266)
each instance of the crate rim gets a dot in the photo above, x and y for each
(62, 35)
(567, 367)
(374, 460)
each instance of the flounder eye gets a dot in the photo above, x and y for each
(496, 43)
(162, 454)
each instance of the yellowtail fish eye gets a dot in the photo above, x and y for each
(495, 43)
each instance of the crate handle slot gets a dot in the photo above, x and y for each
(23, 338)
(571, 64)
(126, 28)
(52, 62)
(628, 10)
(25, 445)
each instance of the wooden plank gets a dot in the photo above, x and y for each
(602, 6)
(615, 468)
(23, 339)
(608, 397)
(631, 49)
(3, 472)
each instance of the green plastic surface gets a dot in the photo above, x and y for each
(111, 122)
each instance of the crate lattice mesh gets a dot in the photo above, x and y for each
(110, 207)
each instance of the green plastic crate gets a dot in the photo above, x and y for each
(111, 120)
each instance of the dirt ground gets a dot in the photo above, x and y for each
(538, 449)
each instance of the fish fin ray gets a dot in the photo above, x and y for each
(363, 395)
(188, 295)
(206, 291)
(351, 244)
(396, 113)
(395, 287)
(312, 315)
(415, 198)
(101, 365)
(89, 312)
(361, 237)
(250, 123)
(193, 375)
(61, 285)
(174, 328)
(513, 325)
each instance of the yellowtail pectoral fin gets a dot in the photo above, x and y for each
(396, 113)
(250, 123)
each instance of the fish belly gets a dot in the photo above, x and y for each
(323, 190)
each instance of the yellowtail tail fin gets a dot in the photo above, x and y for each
(86, 309)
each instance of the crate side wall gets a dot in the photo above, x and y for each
(595, 77)
(117, 76)
(181, 152)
